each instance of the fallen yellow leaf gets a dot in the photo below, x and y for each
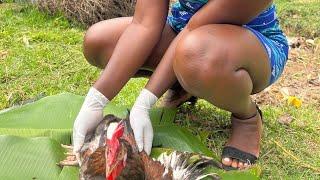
(294, 101)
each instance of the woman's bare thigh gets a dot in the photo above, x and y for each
(101, 39)
(219, 49)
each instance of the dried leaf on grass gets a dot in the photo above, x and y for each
(314, 81)
(296, 42)
(285, 92)
(310, 42)
(285, 119)
(26, 41)
(3, 54)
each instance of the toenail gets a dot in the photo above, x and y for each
(240, 165)
(227, 159)
(234, 164)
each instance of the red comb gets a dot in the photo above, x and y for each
(113, 146)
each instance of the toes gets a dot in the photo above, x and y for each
(227, 161)
(234, 163)
(240, 165)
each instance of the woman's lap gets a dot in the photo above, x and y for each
(274, 48)
(230, 48)
(276, 51)
(269, 35)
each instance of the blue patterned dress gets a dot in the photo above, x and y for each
(265, 27)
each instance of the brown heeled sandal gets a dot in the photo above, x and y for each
(240, 130)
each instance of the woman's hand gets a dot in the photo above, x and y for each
(140, 120)
(142, 128)
(90, 115)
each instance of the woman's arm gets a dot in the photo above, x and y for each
(131, 51)
(134, 46)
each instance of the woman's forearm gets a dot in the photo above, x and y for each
(134, 46)
(131, 51)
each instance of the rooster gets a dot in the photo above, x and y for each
(111, 153)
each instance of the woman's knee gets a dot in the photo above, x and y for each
(97, 45)
(200, 60)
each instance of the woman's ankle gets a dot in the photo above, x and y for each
(248, 113)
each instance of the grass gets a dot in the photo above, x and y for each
(300, 17)
(42, 55)
(288, 152)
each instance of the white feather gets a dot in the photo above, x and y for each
(112, 127)
(182, 168)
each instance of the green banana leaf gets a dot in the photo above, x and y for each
(26, 158)
(36, 158)
(45, 124)
(178, 138)
(53, 117)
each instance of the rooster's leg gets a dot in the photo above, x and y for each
(70, 159)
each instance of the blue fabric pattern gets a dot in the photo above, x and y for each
(265, 27)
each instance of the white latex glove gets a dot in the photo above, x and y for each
(140, 120)
(90, 115)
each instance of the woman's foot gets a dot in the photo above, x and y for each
(176, 96)
(243, 146)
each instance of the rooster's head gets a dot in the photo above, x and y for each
(121, 151)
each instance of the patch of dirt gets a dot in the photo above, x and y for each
(301, 77)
